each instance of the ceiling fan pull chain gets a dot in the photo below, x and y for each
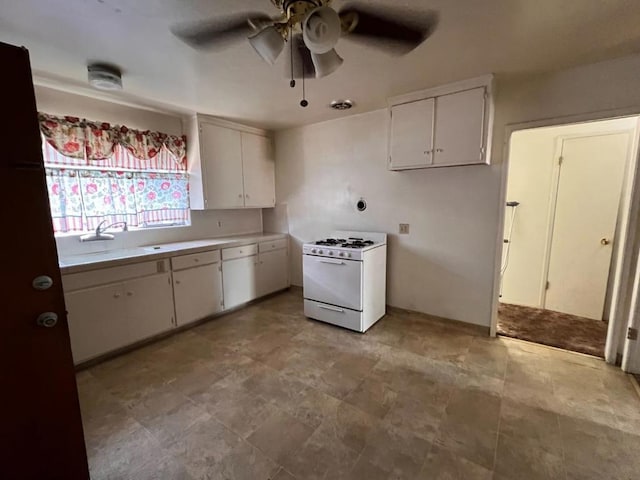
(292, 83)
(303, 102)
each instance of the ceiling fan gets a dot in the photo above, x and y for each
(312, 28)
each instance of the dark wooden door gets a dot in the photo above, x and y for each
(40, 427)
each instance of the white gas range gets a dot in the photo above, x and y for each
(345, 279)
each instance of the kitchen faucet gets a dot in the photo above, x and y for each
(100, 234)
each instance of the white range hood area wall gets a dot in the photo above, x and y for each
(446, 265)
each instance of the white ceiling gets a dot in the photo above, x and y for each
(475, 37)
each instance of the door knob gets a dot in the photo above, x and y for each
(605, 241)
(47, 320)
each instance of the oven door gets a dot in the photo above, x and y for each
(333, 281)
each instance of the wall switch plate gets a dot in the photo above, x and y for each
(404, 229)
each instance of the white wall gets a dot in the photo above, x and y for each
(532, 159)
(204, 224)
(322, 171)
(446, 265)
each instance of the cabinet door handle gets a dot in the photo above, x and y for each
(129, 294)
(439, 150)
(116, 295)
(177, 282)
(239, 195)
(247, 195)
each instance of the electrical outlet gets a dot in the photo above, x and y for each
(404, 229)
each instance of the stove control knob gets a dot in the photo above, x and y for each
(313, 250)
(349, 255)
(320, 252)
(341, 254)
(330, 253)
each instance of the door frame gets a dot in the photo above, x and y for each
(629, 239)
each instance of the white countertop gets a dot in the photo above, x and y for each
(111, 258)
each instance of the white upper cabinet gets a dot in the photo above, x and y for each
(221, 155)
(459, 128)
(230, 166)
(258, 167)
(441, 127)
(411, 139)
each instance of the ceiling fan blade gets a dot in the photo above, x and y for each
(220, 32)
(298, 59)
(391, 30)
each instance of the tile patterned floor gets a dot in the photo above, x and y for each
(264, 393)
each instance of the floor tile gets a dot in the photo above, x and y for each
(280, 436)
(373, 397)
(266, 393)
(518, 458)
(442, 464)
(203, 446)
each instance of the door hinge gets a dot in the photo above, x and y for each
(632, 334)
(560, 159)
(547, 285)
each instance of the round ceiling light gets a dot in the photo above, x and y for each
(104, 77)
(341, 104)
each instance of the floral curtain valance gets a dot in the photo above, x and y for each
(79, 138)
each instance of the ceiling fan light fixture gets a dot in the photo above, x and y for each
(326, 63)
(269, 43)
(321, 29)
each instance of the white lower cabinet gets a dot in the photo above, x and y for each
(197, 293)
(97, 321)
(149, 306)
(239, 280)
(108, 317)
(273, 271)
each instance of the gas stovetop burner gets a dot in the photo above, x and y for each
(351, 242)
(331, 242)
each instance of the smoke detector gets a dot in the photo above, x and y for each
(104, 77)
(341, 104)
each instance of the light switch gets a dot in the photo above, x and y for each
(404, 229)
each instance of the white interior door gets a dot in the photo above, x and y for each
(411, 139)
(589, 190)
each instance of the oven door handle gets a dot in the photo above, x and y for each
(333, 309)
(332, 262)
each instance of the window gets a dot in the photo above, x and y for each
(129, 176)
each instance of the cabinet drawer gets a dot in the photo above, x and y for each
(239, 252)
(343, 317)
(103, 276)
(195, 259)
(272, 245)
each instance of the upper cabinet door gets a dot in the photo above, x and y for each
(411, 135)
(259, 171)
(460, 128)
(221, 153)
